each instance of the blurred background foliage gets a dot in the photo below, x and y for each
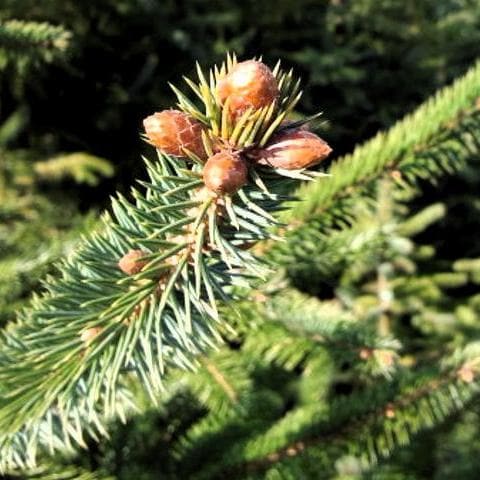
(70, 117)
(365, 62)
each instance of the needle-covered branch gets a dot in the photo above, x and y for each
(20, 38)
(363, 428)
(435, 139)
(142, 293)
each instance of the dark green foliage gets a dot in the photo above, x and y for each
(33, 230)
(32, 39)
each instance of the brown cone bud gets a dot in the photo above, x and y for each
(130, 263)
(172, 130)
(293, 150)
(249, 84)
(225, 172)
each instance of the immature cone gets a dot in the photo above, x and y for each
(225, 172)
(130, 263)
(172, 130)
(293, 150)
(248, 84)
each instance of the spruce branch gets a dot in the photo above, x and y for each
(339, 236)
(219, 383)
(439, 138)
(18, 37)
(448, 146)
(142, 293)
(425, 144)
(252, 415)
(34, 232)
(322, 216)
(297, 327)
(374, 233)
(81, 167)
(365, 427)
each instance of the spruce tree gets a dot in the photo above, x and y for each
(279, 331)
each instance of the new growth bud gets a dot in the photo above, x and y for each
(171, 131)
(293, 150)
(225, 173)
(130, 263)
(249, 84)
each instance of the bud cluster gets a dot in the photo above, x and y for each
(233, 136)
(248, 85)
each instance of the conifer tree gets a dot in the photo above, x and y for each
(329, 381)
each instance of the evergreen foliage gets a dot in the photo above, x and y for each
(81, 167)
(194, 252)
(24, 44)
(33, 232)
(348, 350)
(18, 35)
(268, 424)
